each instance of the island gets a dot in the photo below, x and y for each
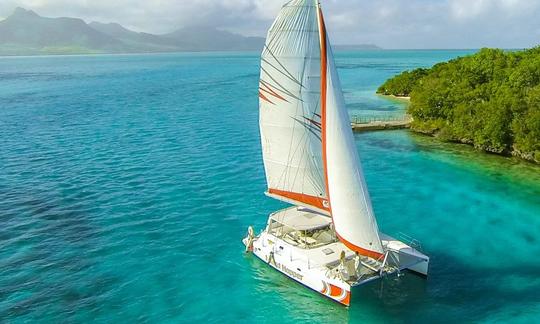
(490, 100)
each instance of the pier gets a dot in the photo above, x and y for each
(370, 123)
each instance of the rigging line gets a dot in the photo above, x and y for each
(307, 111)
(302, 151)
(278, 25)
(301, 167)
(273, 93)
(283, 177)
(283, 88)
(317, 160)
(314, 177)
(286, 72)
(272, 89)
(284, 19)
(313, 123)
(304, 106)
(263, 97)
(307, 155)
(302, 142)
(280, 64)
(312, 119)
(316, 185)
(309, 127)
(295, 166)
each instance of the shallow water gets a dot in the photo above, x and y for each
(128, 181)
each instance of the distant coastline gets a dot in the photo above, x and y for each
(25, 33)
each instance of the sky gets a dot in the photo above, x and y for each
(391, 24)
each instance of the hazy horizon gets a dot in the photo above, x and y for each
(390, 24)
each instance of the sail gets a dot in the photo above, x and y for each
(290, 110)
(351, 208)
(309, 152)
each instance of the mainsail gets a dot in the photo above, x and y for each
(309, 152)
(290, 112)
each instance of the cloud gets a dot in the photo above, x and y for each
(156, 16)
(388, 23)
(471, 9)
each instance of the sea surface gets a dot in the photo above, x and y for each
(128, 181)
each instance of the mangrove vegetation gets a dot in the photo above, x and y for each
(490, 99)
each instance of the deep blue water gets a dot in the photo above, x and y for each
(127, 182)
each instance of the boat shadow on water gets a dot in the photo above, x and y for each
(452, 283)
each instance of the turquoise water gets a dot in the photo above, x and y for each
(127, 182)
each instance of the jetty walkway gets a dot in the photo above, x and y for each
(369, 123)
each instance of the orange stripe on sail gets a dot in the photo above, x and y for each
(324, 66)
(317, 202)
(362, 251)
(263, 97)
(271, 92)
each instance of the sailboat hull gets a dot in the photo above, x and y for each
(310, 160)
(312, 257)
(406, 255)
(300, 271)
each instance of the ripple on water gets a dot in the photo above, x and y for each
(126, 188)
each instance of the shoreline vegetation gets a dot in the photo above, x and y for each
(490, 100)
(394, 97)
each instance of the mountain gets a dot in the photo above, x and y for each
(27, 33)
(141, 41)
(359, 47)
(211, 39)
(185, 39)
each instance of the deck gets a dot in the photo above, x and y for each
(370, 123)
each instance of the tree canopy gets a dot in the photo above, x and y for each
(490, 99)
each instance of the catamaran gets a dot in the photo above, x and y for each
(328, 240)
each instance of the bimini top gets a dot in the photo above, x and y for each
(301, 219)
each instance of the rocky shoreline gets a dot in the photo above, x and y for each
(529, 157)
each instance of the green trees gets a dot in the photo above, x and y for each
(402, 84)
(490, 99)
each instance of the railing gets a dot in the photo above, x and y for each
(381, 118)
(412, 242)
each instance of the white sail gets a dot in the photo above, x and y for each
(350, 203)
(290, 117)
(309, 152)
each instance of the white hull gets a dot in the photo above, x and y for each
(319, 267)
(292, 263)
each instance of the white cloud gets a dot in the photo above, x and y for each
(468, 9)
(388, 23)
